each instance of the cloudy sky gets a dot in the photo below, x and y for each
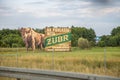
(101, 15)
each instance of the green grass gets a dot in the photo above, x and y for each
(83, 61)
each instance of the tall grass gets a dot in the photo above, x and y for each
(83, 61)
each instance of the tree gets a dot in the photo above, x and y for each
(111, 40)
(117, 37)
(116, 31)
(104, 41)
(9, 37)
(78, 32)
(101, 44)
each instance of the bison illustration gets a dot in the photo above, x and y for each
(31, 38)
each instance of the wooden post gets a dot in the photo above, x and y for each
(18, 78)
(53, 59)
(105, 60)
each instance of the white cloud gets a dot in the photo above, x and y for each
(56, 9)
(37, 13)
(110, 10)
(94, 12)
(60, 12)
(75, 8)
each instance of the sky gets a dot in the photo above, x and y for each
(100, 15)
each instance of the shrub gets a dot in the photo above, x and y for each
(83, 43)
(101, 44)
(5, 45)
(14, 45)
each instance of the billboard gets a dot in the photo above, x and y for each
(58, 39)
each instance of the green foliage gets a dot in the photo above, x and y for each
(14, 45)
(116, 31)
(117, 39)
(111, 40)
(104, 41)
(8, 38)
(101, 44)
(83, 43)
(78, 32)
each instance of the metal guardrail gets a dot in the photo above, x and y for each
(34, 74)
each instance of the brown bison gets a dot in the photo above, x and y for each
(31, 38)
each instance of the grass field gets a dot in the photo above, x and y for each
(83, 61)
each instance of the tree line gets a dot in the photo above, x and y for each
(110, 40)
(12, 37)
